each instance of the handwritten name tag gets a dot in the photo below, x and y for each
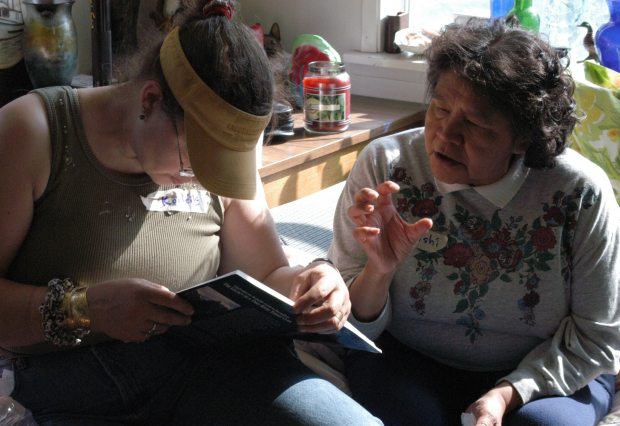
(178, 200)
(433, 241)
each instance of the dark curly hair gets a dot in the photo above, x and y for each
(523, 77)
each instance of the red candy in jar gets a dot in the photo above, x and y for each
(327, 97)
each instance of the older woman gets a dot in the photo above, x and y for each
(483, 251)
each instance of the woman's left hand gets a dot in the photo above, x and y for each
(321, 299)
(490, 408)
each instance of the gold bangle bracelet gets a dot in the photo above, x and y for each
(75, 306)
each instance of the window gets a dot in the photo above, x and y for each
(378, 74)
(559, 20)
(433, 14)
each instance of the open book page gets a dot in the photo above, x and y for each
(238, 305)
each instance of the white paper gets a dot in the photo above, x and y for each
(178, 199)
(468, 419)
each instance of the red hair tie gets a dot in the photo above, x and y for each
(218, 9)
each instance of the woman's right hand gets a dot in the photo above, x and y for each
(128, 309)
(385, 237)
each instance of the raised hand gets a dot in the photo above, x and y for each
(386, 238)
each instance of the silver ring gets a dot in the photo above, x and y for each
(339, 315)
(153, 329)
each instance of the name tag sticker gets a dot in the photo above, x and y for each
(433, 241)
(178, 200)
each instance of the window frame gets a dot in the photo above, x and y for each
(373, 14)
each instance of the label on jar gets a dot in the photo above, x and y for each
(325, 108)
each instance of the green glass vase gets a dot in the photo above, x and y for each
(526, 14)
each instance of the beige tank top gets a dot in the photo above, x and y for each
(92, 224)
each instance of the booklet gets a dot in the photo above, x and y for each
(249, 307)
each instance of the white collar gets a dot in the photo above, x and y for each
(499, 193)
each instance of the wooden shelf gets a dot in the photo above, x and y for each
(306, 163)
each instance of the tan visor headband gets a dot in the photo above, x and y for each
(226, 125)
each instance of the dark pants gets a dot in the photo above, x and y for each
(403, 387)
(167, 381)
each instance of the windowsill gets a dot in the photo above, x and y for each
(404, 61)
(398, 76)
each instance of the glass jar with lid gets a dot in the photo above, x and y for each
(327, 97)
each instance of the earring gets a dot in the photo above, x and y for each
(142, 116)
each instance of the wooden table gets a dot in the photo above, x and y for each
(306, 163)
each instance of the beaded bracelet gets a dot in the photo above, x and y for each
(56, 310)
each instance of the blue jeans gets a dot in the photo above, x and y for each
(401, 385)
(169, 380)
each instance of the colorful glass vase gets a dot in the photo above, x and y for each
(50, 42)
(526, 14)
(608, 38)
(500, 8)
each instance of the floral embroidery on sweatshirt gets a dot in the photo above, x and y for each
(484, 253)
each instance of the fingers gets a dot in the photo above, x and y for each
(128, 309)
(416, 230)
(165, 318)
(163, 297)
(168, 310)
(322, 300)
(366, 195)
(152, 328)
(489, 409)
(385, 189)
(328, 317)
(365, 234)
(363, 206)
(317, 283)
(155, 329)
(486, 421)
(366, 199)
(145, 331)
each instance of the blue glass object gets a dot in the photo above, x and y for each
(500, 8)
(608, 38)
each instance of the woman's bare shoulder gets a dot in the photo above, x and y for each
(25, 141)
(25, 115)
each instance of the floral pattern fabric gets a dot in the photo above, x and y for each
(481, 251)
(597, 135)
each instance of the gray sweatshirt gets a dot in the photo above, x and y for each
(522, 274)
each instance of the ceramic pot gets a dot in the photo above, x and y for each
(50, 42)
